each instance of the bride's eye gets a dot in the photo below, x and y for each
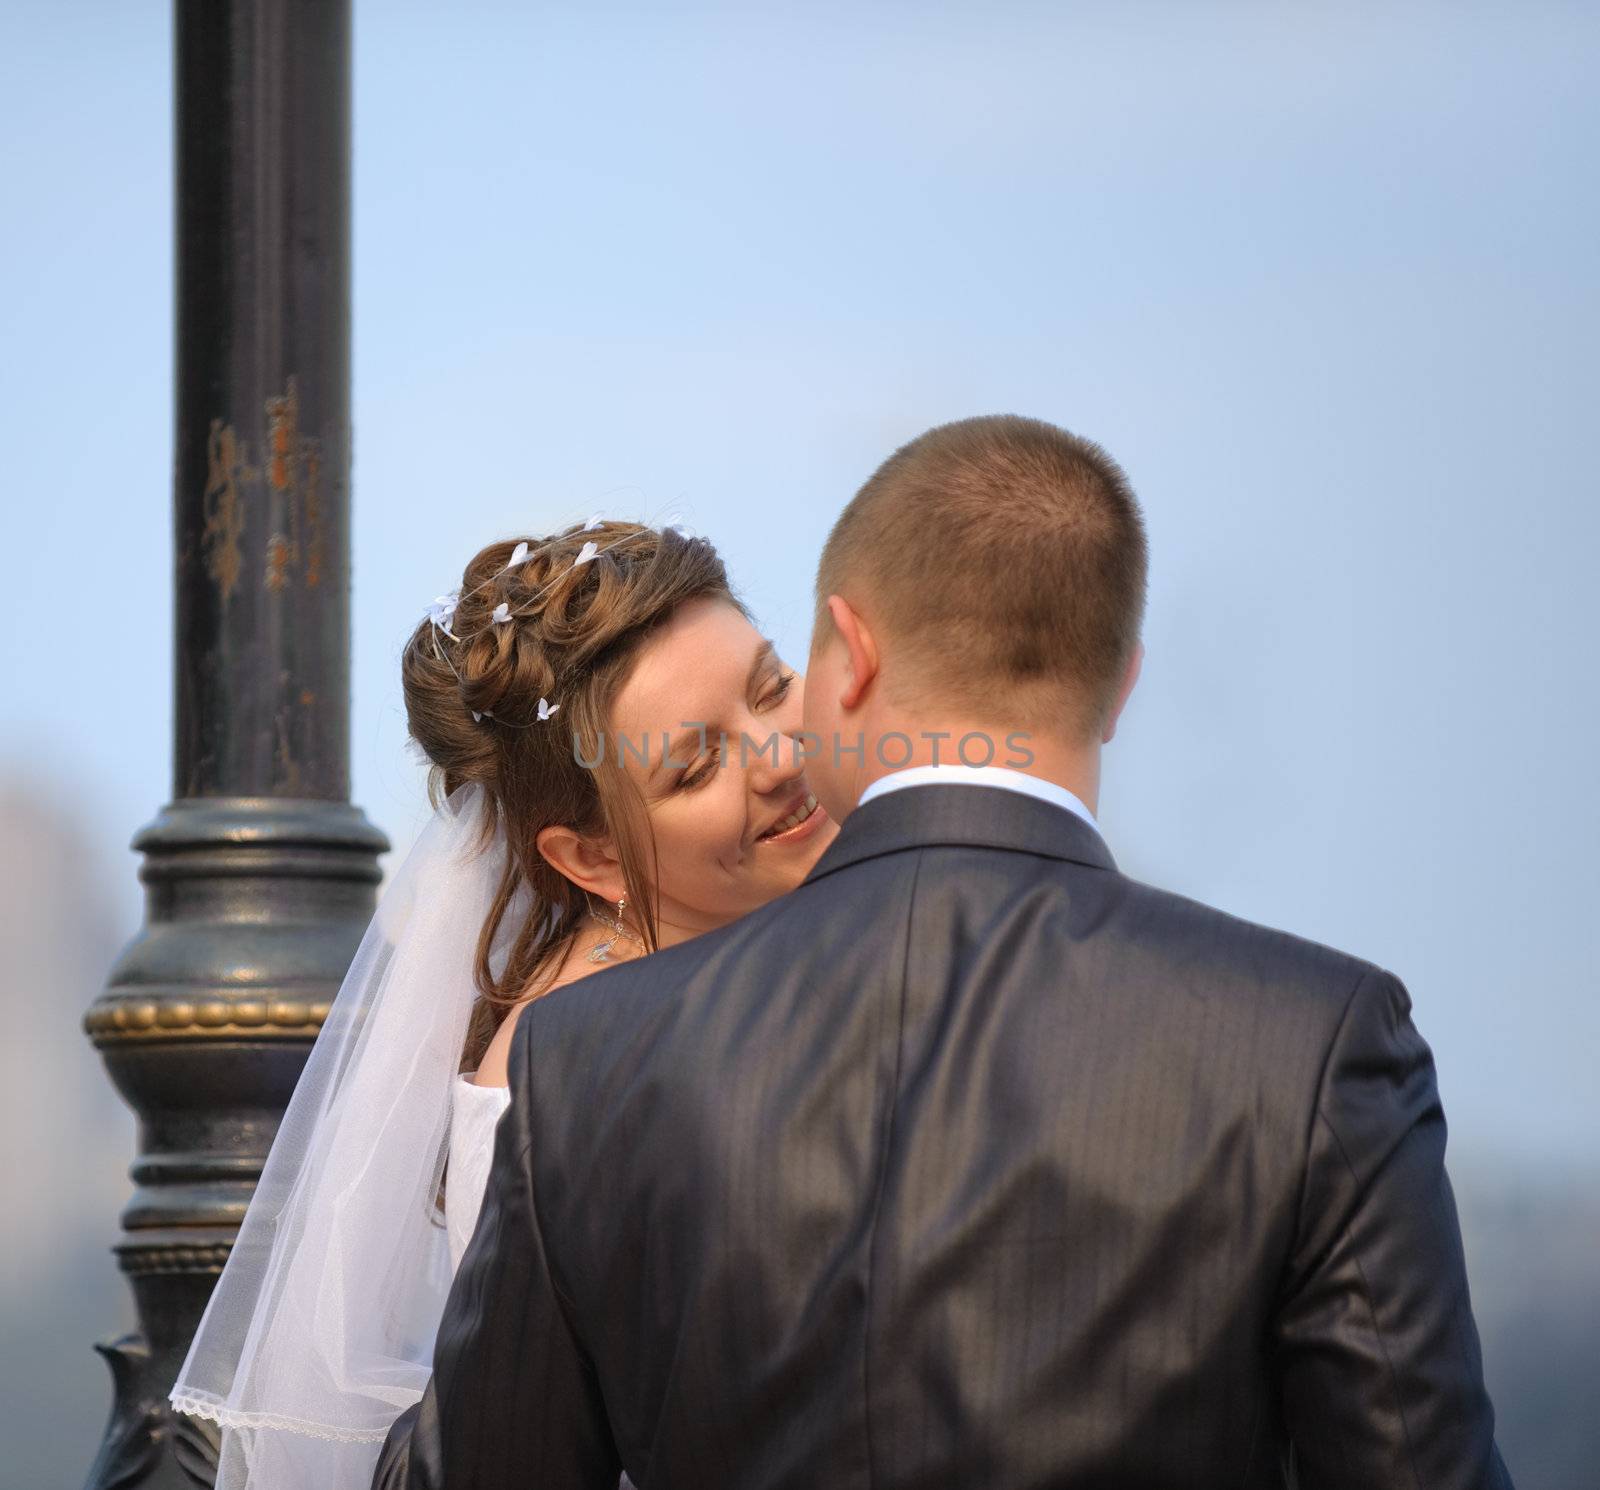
(700, 775)
(781, 692)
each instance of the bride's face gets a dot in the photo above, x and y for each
(706, 676)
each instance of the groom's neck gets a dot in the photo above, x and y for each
(1049, 757)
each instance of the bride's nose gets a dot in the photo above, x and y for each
(775, 769)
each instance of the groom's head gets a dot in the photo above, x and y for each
(989, 577)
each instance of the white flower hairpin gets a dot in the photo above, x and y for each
(519, 555)
(546, 709)
(442, 612)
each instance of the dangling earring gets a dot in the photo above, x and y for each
(602, 950)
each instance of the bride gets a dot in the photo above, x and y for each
(613, 771)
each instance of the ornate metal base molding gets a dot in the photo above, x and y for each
(255, 907)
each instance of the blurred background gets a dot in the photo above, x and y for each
(1321, 277)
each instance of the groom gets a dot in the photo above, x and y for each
(972, 1162)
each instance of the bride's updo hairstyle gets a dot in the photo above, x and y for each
(574, 634)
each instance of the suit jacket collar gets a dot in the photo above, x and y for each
(962, 814)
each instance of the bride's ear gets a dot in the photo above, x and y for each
(589, 864)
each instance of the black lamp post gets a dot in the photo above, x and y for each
(260, 876)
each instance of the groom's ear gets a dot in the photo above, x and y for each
(590, 865)
(1129, 678)
(861, 651)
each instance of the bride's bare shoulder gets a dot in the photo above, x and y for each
(492, 1065)
(492, 1069)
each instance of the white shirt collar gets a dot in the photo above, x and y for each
(954, 771)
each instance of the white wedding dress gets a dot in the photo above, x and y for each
(474, 1113)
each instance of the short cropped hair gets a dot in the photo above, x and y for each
(1003, 562)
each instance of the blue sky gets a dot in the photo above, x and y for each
(1321, 277)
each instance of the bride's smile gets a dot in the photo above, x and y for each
(733, 817)
(798, 825)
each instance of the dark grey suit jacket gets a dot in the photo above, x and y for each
(970, 1163)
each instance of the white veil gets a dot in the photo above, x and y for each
(321, 1328)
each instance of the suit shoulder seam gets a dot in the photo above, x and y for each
(1372, 1313)
(1320, 1118)
(1315, 1115)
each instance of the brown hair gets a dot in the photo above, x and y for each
(1004, 560)
(575, 634)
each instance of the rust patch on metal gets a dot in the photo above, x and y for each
(283, 459)
(278, 555)
(290, 473)
(283, 430)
